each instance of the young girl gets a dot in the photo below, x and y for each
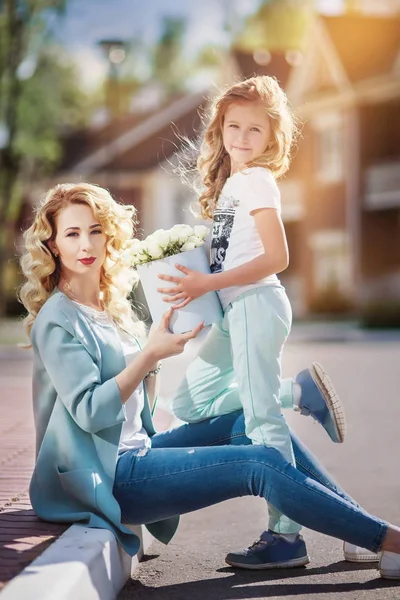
(246, 146)
(99, 462)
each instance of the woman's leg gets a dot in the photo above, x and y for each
(230, 430)
(170, 481)
(309, 465)
(218, 431)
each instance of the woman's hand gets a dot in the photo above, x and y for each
(162, 343)
(187, 288)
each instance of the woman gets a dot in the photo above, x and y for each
(99, 461)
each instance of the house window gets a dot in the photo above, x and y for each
(332, 262)
(329, 147)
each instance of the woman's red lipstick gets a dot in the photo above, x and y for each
(87, 261)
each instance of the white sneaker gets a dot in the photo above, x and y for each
(389, 565)
(354, 553)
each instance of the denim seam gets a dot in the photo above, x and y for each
(230, 437)
(315, 476)
(380, 537)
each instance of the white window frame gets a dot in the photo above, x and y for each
(329, 153)
(332, 263)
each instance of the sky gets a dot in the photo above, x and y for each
(88, 21)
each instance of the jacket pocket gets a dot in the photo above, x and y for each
(79, 485)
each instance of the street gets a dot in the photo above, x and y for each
(367, 377)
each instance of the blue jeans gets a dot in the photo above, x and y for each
(200, 464)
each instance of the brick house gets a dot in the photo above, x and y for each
(341, 197)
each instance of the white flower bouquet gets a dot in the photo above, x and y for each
(157, 255)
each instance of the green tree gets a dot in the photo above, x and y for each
(168, 64)
(39, 96)
(278, 25)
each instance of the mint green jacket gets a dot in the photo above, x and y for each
(78, 418)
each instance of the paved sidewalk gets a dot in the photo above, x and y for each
(22, 535)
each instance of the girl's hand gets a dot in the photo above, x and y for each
(162, 343)
(187, 288)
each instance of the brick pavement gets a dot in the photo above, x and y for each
(23, 537)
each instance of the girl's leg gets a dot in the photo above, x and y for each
(167, 482)
(257, 315)
(208, 388)
(263, 313)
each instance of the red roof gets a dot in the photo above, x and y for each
(148, 152)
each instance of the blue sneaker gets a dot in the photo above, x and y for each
(270, 552)
(319, 399)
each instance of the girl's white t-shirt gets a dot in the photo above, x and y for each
(133, 434)
(235, 239)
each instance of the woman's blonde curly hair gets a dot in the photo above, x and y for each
(213, 161)
(42, 268)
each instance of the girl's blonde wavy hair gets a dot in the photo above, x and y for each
(213, 161)
(42, 269)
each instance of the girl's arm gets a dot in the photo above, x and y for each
(274, 260)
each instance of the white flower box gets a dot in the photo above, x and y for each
(206, 308)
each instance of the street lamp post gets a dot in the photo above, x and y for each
(115, 52)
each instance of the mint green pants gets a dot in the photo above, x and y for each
(239, 367)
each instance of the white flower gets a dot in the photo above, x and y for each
(188, 246)
(180, 233)
(153, 249)
(200, 231)
(194, 239)
(132, 253)
(127, 258)
(161, 237)
(163, 243)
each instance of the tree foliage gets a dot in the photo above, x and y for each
(39, 97)
(168, 64)
(278, 25)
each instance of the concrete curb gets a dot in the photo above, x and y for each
(83, 564)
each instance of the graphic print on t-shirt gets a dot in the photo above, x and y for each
(224, 216)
